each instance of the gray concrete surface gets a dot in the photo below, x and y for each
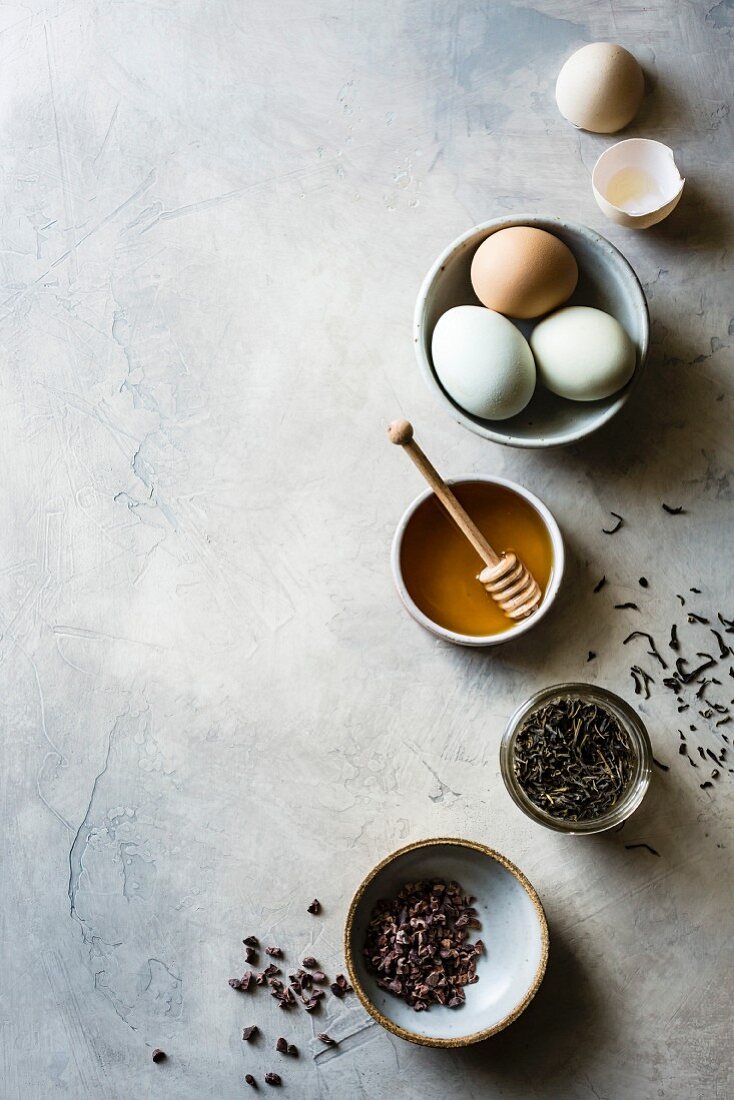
(215, 218)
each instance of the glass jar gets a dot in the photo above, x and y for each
(630, 723)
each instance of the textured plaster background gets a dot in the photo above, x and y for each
(215, 218)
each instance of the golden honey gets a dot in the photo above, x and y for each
(440, 567)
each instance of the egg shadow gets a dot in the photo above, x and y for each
(556, 1036)
(701, 220)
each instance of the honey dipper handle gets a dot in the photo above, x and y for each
(401, 433)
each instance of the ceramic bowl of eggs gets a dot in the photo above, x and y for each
(531, 332)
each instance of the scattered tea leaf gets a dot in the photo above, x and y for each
(618, 524)
(647, 848)
(600, 584)
(679, 511)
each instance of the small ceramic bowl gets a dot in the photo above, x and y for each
(551, 591)
(606, 282)
(514, 932)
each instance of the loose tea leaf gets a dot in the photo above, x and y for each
(652, 851)
(600, 584)
(653, 651)
(315, 907)
(618, 524)
(626, 607)
(573, 759)
(679, 511)
(724, 650)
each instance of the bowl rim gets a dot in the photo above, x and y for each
(485, 1033)
(420, 336)
(481, 640)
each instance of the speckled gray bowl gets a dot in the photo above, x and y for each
(606, 281)
(514, 932)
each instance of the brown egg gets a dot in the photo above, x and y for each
(523, 272)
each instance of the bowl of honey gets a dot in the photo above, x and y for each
(435, 568)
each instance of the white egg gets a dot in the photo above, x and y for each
(582, 353)
(483, 362)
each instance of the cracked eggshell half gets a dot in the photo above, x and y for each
(483, 362)
(636, 183)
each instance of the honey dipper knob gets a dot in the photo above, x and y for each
(400, 432)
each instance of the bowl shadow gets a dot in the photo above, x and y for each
(554, 1037)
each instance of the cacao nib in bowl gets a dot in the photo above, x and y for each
(495, 904)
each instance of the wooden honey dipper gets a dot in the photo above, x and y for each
(505, 577)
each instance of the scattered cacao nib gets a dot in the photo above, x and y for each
(417, 944)
(248, 1032)
(617, 525)
(250, 956)
(292, 1050)
(600, 584)
(250, 1080)
(242, 983)
(315, 907)
(251, 941)
(273, 1079)
(327, 1039)
(274, 952)
(318, 976)
(679, 511)
(282, 1045)
(270, 971)
(336, 990)
(310, 1004)
(159, 1055)
(310, 963)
